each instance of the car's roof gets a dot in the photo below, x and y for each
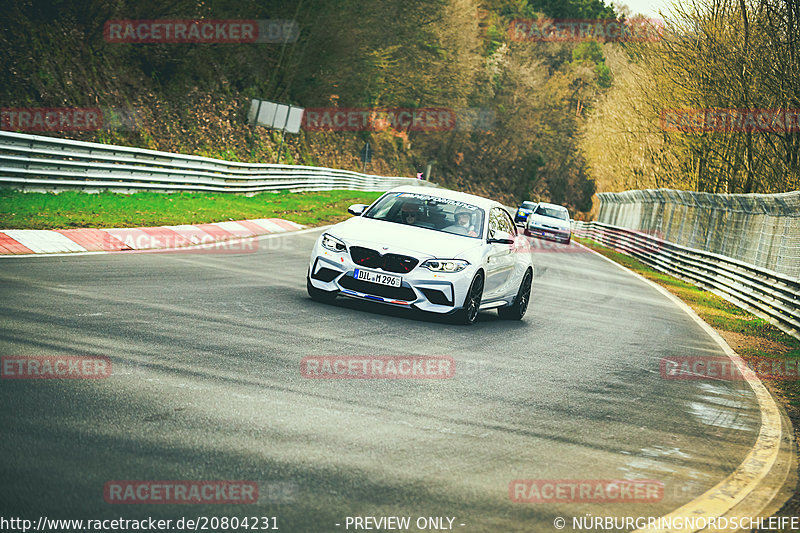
(555, 206)
(478, 201)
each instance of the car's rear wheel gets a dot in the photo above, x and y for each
(516, 310)
(319, 295)
(472, 304)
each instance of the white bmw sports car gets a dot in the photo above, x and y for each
(434, 250)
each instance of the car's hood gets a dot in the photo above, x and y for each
(550, 222)
(398, 238)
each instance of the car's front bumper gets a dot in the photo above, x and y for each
(548, 233)
(420, 289)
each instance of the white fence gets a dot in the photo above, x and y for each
(758, 229)
(34, 162)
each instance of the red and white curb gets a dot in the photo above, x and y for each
(27, 241)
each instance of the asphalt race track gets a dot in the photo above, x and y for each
(206, 385)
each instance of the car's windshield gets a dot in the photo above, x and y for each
(552, 212)
(528, 205)
(430, 212)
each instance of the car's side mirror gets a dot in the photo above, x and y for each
(500, 237)
(357, 209)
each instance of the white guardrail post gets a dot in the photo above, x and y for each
(34, 162)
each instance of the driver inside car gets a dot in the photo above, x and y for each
(409, 213)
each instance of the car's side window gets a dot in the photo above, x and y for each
(506, 223)
(494, 221)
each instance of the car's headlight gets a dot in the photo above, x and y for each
(332, 243)
(445, 265)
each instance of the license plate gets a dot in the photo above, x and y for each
(377, 277)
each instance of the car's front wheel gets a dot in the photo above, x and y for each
(472, 304)
(319, 295)
(516, 310)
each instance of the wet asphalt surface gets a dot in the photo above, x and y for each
(206, 385)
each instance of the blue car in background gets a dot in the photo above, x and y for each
(525, 209)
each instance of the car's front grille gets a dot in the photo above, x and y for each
(395, 293)
(367, 257)
(547, 229)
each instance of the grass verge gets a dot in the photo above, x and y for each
(74, 209)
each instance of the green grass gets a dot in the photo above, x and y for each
(763, 339)
(72, 209)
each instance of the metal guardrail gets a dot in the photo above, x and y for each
(768, 294)
(34, 162)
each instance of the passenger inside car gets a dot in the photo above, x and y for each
(463, 224)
